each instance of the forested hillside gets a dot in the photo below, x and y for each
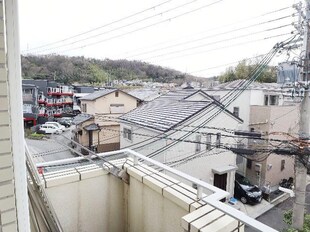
(79, 69)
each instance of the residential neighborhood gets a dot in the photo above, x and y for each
(173, 116)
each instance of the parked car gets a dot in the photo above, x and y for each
(49, 129)
(58, 125)
(247, 192)
(65, 122)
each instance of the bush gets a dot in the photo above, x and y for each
(288, 220)
(36, 136)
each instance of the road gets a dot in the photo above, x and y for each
(49, 149)
(274, 217)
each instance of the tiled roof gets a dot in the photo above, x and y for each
(97, 94)
(92, 127)
(80, 118)
(166, 111)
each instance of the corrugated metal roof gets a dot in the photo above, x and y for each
(166, 111)
(97, 94)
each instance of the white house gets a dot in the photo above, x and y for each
(167, 122)
(256, 94)
(258, 106)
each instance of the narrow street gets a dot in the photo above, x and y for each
(274, 217)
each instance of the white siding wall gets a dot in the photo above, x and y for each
(14, 210)
(243, 102)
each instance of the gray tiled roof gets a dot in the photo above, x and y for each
(92, 127)
(97, 94)
(166, 111)
(80, 118)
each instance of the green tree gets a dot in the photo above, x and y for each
(244, 70)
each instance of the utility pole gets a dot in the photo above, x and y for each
(300, 168)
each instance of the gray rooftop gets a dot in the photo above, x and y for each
(101, 93)
(168, 110)
(97, 94)
(80, 118)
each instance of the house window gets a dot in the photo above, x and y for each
(266, 100)
(236, 111)
(116, 94)
(198, 143)
(218, 140)
(208, 142)
(116, 108)
(28, 91)
(84, 107)
(249, 163)
(282, 165)
(273, 100)
(127, 134)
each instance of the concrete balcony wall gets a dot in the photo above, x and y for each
(89, 199)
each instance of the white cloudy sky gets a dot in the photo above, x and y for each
(187, 35)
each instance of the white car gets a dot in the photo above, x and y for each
(58, 125)
(50, 129)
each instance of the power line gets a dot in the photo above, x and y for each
(221, 41)
(121, 27)
(144, 27)
(231, 133)
(215, 28)
(253, 76)
(105, 25)
(212, 36)
(227, 46)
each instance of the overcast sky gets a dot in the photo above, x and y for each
(193, 36)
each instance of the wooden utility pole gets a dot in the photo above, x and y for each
(300, 168)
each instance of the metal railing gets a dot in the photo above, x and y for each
(37, 193)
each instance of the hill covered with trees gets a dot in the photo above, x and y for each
(93, 71)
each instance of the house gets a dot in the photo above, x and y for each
(167, 122)
(274, 122)
(97, 127)
(257, 106)
(262, 94)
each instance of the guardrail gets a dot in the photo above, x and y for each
(212, 199)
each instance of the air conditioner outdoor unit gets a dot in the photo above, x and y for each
(258, 167)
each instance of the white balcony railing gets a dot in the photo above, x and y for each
(214, 194)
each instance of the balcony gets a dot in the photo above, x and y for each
(53, 91)
(129, 194)
(59, 91)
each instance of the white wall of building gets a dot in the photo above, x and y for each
(243, 102)
(256, 97)
(200, 168)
